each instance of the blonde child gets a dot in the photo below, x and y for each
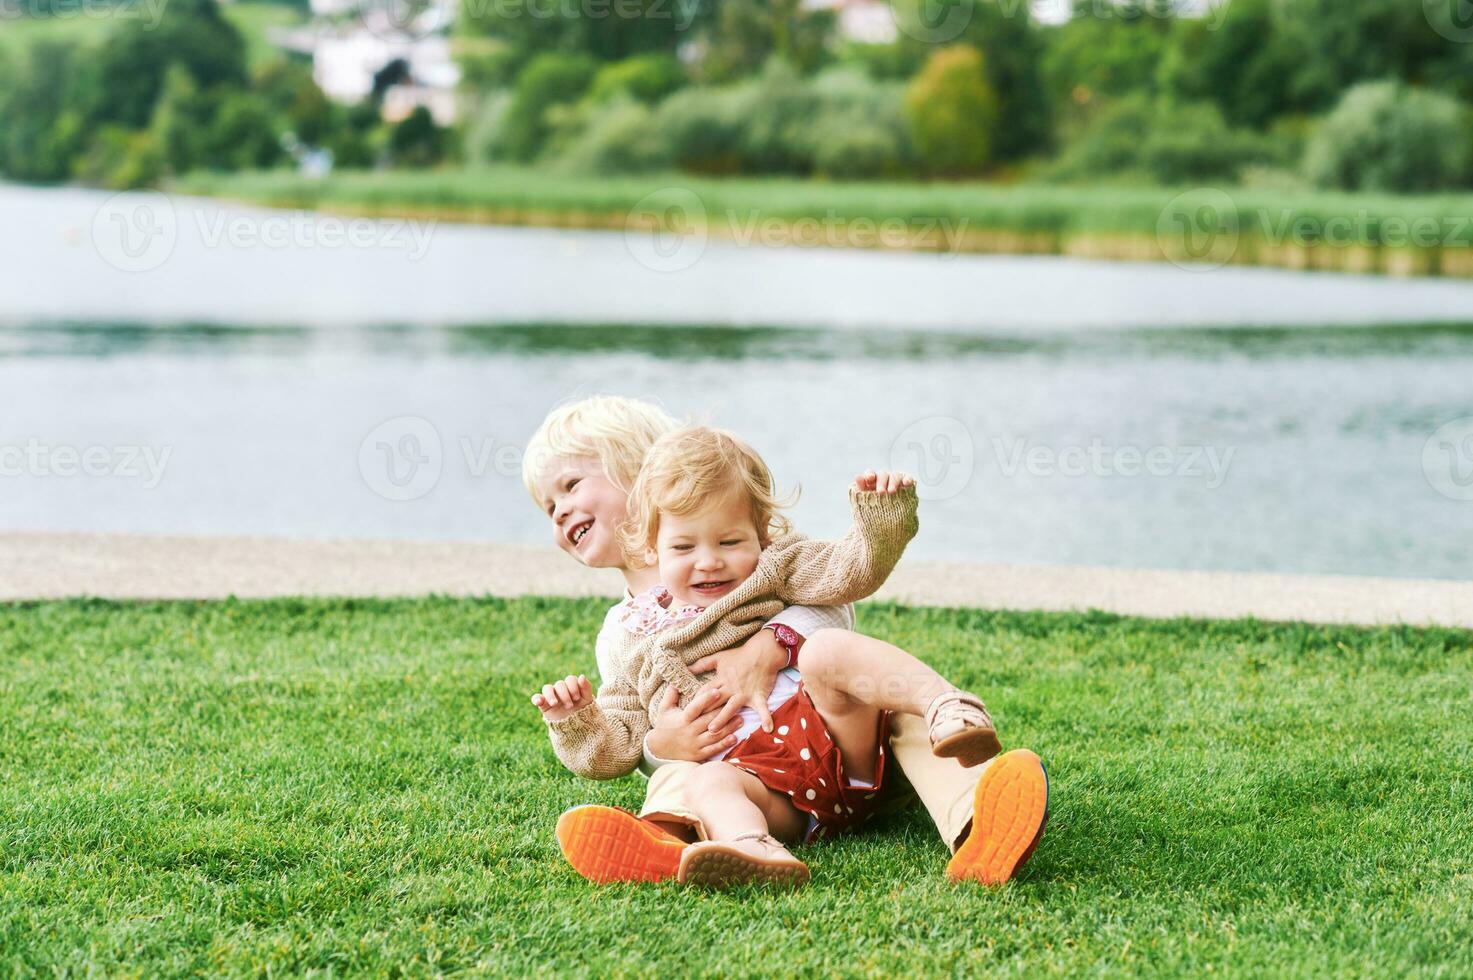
(704, 512)
(578, 468)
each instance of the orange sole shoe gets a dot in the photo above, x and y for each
(1009, 811)
(605, 843)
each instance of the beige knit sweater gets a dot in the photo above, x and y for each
(605, 740)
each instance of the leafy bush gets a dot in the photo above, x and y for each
(243, 135)
(1385, 136)
(620, 138)
(417, 141)
(777, 110)
(953, 112)
(702, 128)
(120, 159)
(549, 81)
(839, 123)
(1169, 144)
(1193, 142)
(860, 129)
(647, 78)
(483, 127)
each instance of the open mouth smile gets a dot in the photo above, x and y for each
(578, 532)
(711, 588)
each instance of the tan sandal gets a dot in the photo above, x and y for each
(961, 729)
(747, 858)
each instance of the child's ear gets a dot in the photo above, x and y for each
(650, 558)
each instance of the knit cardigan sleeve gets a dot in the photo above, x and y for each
(855, 566)
(605, 740)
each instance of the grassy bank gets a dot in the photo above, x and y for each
(354, 786)
(1429, 235)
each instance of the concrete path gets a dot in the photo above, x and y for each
(48, 566)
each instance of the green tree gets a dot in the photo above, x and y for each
(1012, 48)
(550, 81)
(526, 29)
(130, 67)
(293, 94)
(646, 78)
(120, 159)
(1093, 56)
(181, 119)
(744, 35)
(1244, 66)
(953, 112)
(243, 134)
(417, 141)
(1269, 58)
(41, 114)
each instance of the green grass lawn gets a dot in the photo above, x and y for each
(348, 786)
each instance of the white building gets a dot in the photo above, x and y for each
(351, 41)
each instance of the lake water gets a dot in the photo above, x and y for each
(264, 377)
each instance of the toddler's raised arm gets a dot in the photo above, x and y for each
(855, 566)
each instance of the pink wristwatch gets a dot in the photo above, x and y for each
(789, 639)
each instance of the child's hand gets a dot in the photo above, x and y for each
(883, 481)
(560, 699)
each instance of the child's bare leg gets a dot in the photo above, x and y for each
(731, 802)
(742, 816)
(851, 677)
(869, 672)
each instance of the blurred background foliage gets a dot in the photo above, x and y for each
(1348, 94)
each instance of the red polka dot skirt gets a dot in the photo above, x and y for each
(800, 759)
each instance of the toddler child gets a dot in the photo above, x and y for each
(703, 512)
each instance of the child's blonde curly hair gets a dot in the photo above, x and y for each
(617, 431)
(691, 469)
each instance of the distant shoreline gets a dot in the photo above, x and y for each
(1390, 235)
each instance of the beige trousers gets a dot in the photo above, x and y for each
(944, 787)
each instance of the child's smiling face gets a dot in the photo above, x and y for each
(586, 509)
(705, 555)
